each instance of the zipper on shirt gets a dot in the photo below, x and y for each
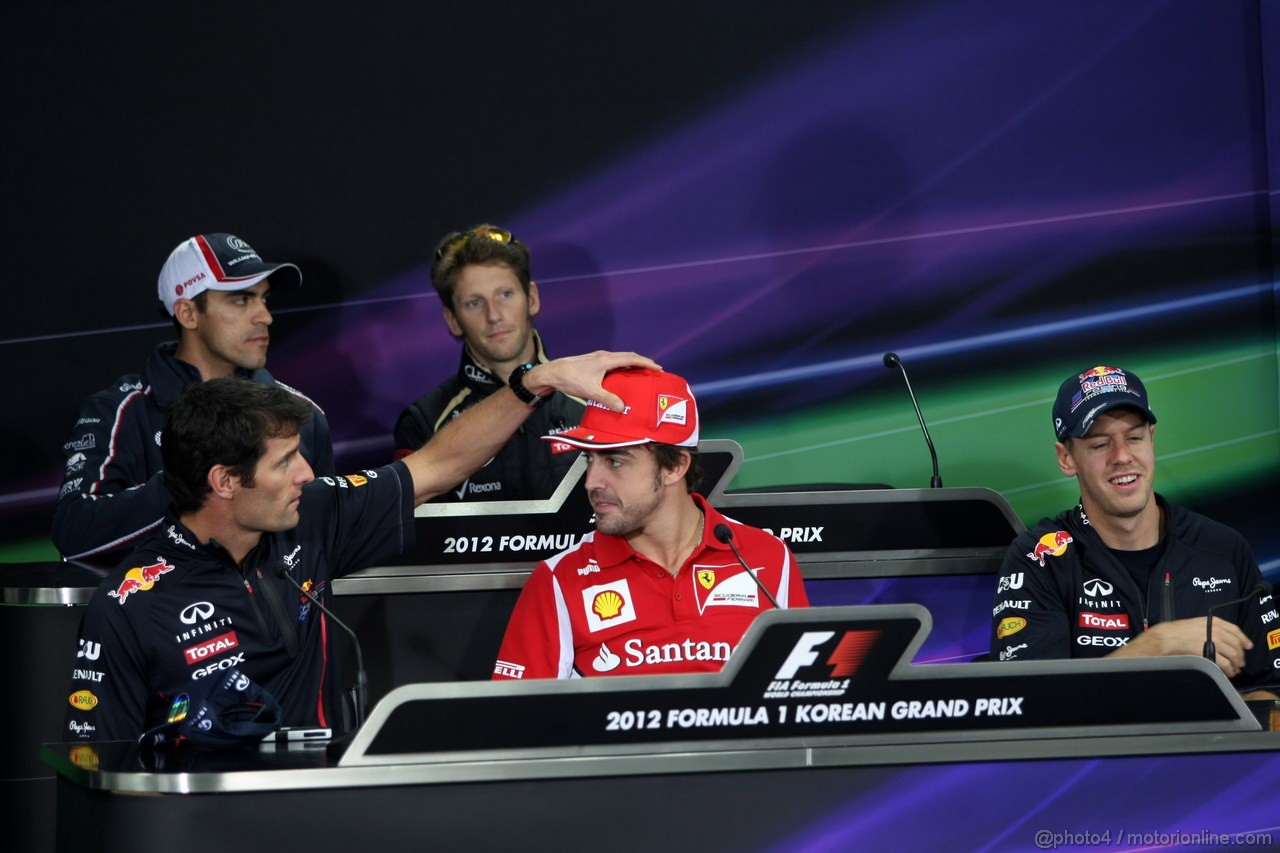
(272, 595)
(1166, 599)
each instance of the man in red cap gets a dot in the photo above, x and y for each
(658, 588)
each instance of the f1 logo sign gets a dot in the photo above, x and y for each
(845, 658)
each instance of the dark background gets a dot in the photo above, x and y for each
(1003, 191)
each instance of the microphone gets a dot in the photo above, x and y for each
(1210, 651)
(725, 535)
(359, 690)
(891, 361)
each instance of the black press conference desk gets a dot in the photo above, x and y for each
(439, 612)
(819, 734)
(833, 532)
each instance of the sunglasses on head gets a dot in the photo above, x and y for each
(453, 244)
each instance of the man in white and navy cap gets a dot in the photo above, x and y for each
(215, 288)
(662, 585)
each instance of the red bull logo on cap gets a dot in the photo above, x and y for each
(1098, 380)
(140, 579)
(1051, 545)
(1099, 371)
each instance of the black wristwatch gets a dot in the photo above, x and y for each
(522, 393)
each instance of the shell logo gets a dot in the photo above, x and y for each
(83, 700)
(1010, 626)
(608, 604)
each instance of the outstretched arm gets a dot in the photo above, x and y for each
(474, 437)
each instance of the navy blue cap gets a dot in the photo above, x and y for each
(1089, 393)
(225, 711)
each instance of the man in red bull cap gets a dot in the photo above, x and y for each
(658, 587)
(1125, 573)
(219, 585)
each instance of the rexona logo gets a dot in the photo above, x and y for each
(835, 668)
(83, 700)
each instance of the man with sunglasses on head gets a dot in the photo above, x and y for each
(489, 299)
(214, 287)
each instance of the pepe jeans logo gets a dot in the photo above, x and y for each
(1211, 585)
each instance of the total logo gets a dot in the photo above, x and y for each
(1104, 621)
(211, 648)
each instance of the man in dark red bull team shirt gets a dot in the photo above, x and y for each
(1126, 573)
(210, 589)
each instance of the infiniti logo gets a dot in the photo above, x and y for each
(193, 613)
(1097, 588)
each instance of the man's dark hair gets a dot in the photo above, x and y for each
(668, 457)
(224, 421)
(460, 249)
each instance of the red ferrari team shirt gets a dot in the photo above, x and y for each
(600, 608)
